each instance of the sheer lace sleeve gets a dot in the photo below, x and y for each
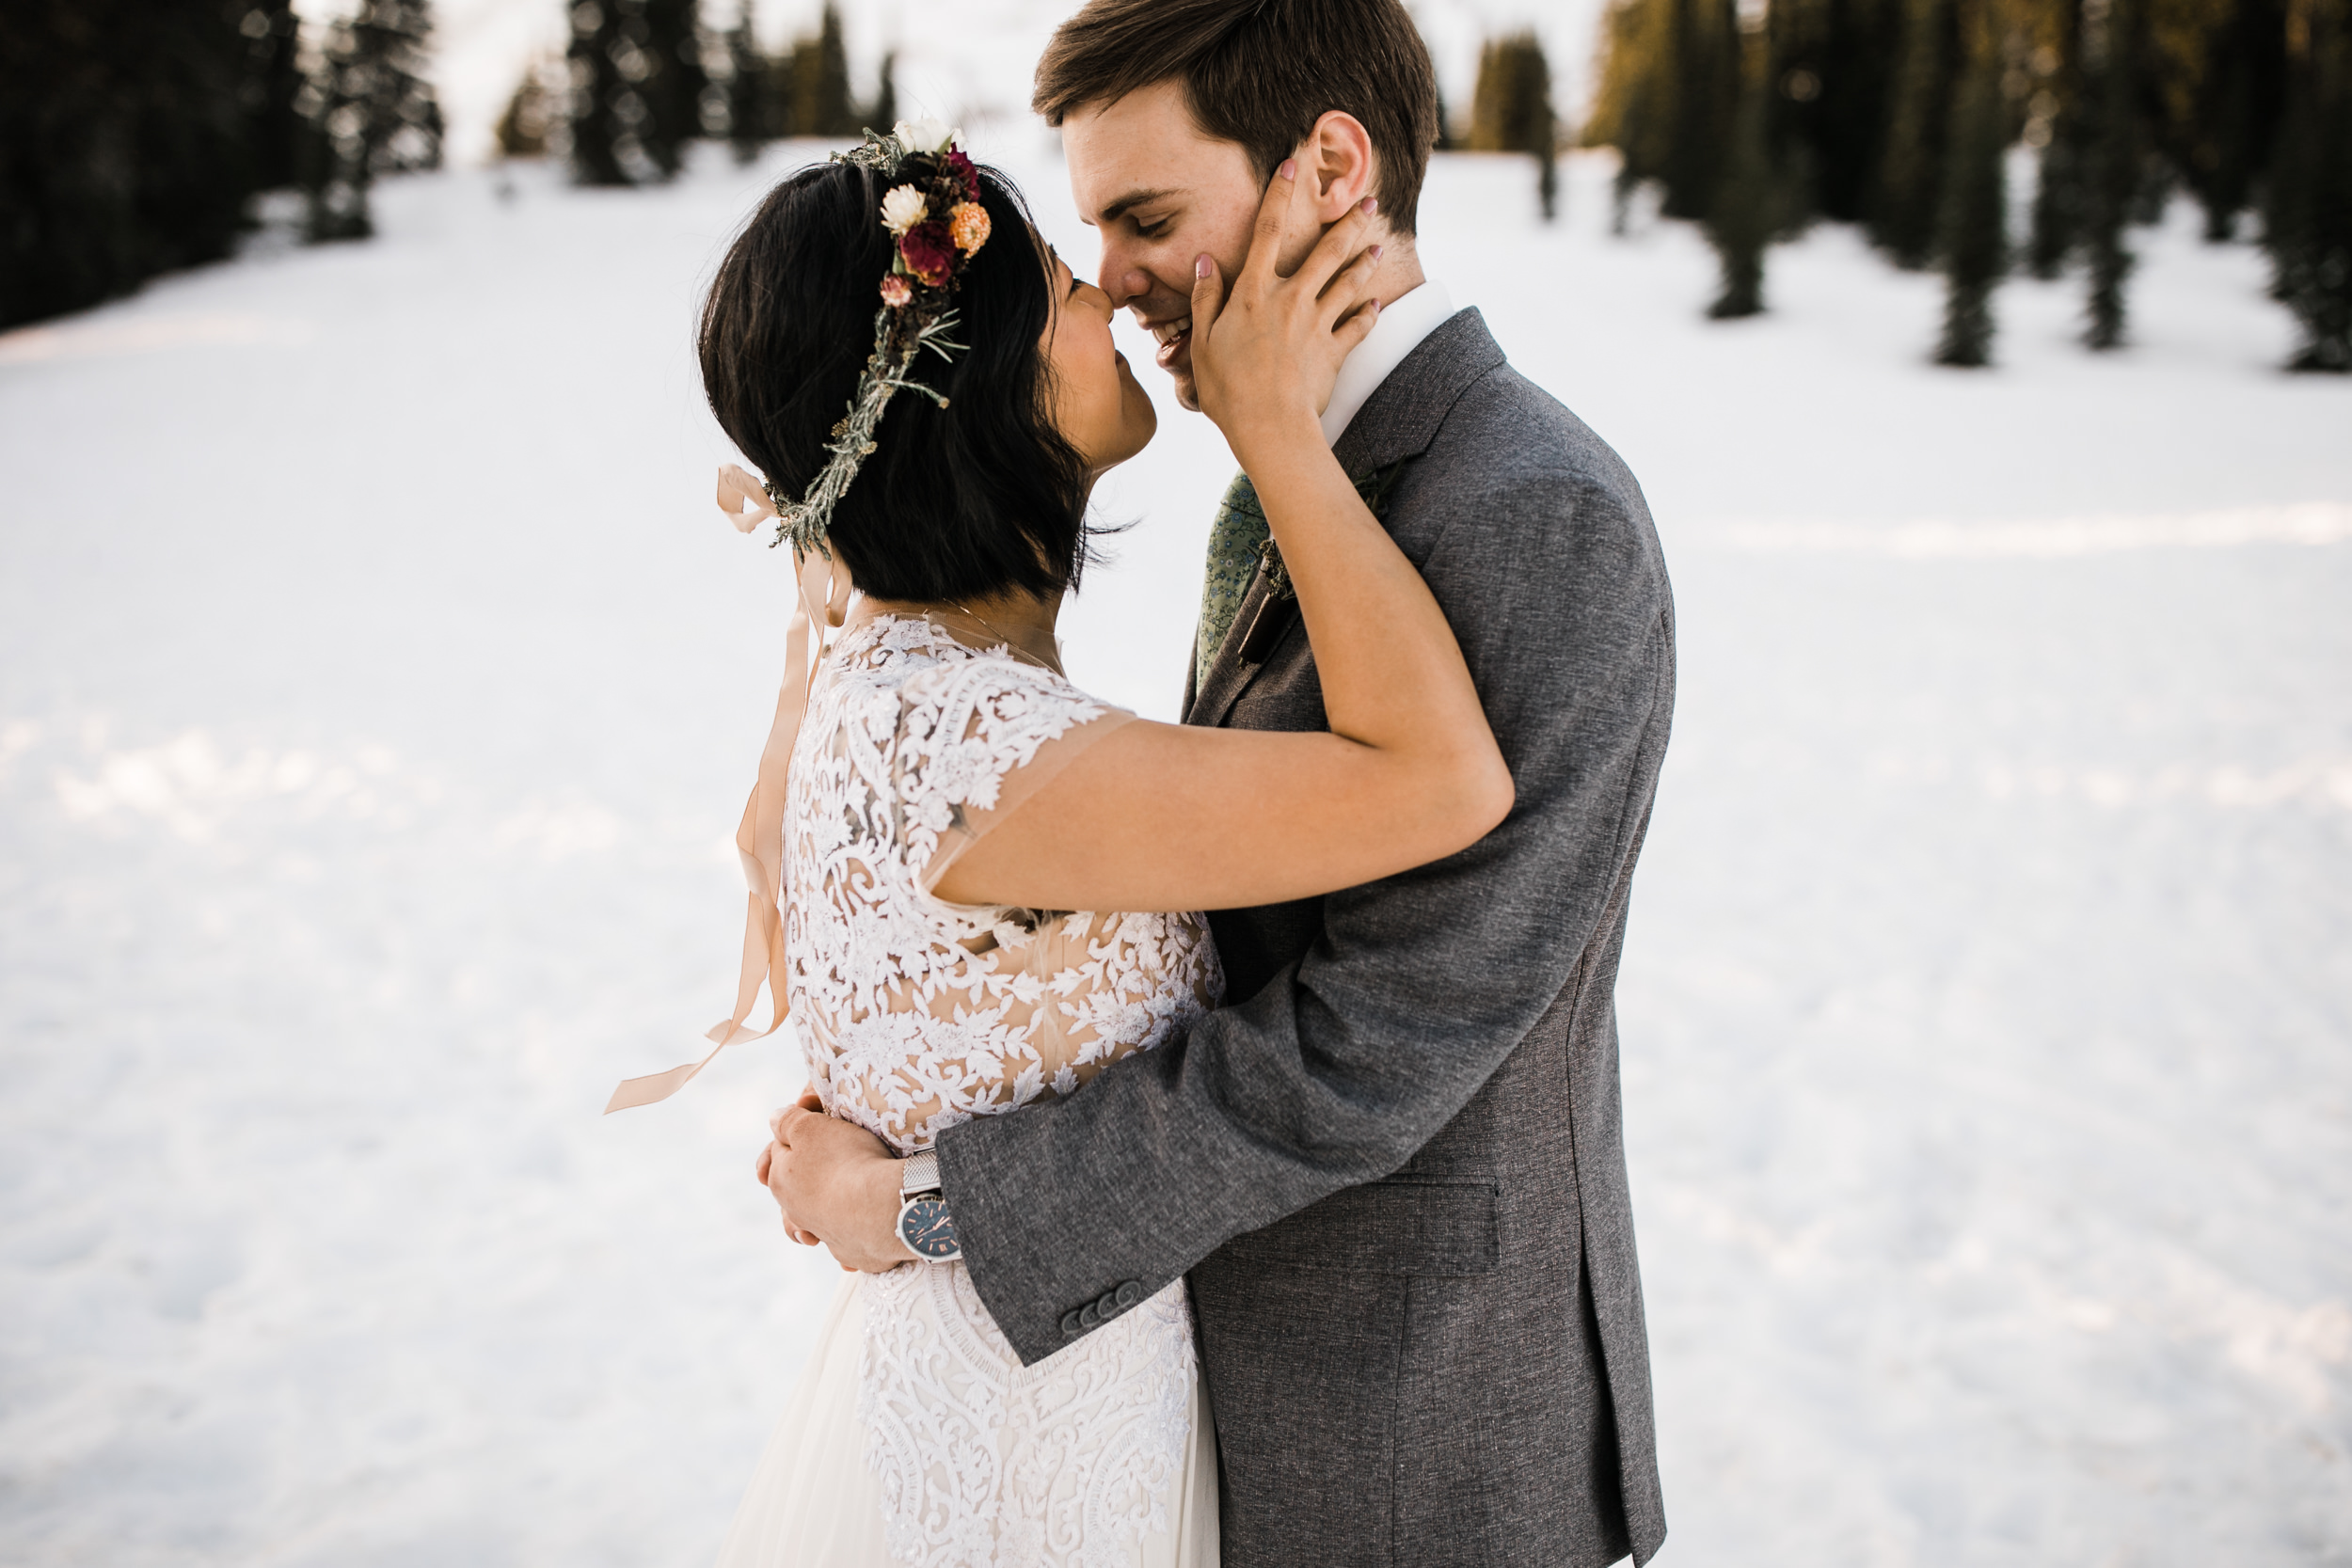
(977, 740)
(918, 1013)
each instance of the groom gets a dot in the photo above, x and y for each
(1393, 1167)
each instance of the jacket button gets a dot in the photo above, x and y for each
(1070, 1324)
(1090, 1315)
(1129, 1293)
(1107, 1307)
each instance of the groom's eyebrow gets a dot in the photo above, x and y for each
(1117, 210)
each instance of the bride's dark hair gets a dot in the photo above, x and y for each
(974, 499)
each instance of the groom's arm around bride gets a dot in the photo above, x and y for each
(1394, 1168)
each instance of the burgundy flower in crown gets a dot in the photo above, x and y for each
(929, 252)
(960, 170)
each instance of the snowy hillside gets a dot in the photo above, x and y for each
(377, 690)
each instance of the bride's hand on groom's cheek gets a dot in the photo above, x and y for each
(1266, 348)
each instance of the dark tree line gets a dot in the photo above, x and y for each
(646, 79)
(133, 133)
(1896, 116)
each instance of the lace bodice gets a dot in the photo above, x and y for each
(916, 1014)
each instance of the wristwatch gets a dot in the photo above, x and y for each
(924, 1224)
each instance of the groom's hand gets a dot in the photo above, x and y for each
(837, 1183)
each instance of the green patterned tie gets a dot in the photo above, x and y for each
(1235, 540)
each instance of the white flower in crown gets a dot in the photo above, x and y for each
(924, 136)
(903, 208)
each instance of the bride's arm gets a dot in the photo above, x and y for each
(1166, 817)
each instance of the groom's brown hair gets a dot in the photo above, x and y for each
(1260, 73)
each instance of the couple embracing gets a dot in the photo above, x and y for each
(1296, 1231)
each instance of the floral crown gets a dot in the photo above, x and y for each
(940, 224)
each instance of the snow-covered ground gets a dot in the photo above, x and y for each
(377, 687)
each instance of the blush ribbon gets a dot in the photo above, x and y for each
(822, 601)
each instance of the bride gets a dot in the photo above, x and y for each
(973, 884)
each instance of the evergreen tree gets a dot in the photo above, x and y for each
(1748, 203)
(747, 90)
(1632, 105)
(273, 86)
(637, 86)
(884, 112)
(673, 83)
(123, 146)
(2308, 217)
(1833, 67)
(605, 109)
(376, 112)
(2237, 115)
(523, 129)
(2061, 200)
(1511, 110)
(1703, 63)
(821, 101)
(1974, 243)
(2113, 172)
(1909, 196)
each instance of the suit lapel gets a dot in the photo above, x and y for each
(1397, 422)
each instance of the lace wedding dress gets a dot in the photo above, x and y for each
(916, 1438)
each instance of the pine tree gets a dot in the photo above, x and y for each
(1748, 203)
(1511, 110)
(604, 106)
(375, 113)
(1632, 105)
(883, 114)
(1909, 196)
(522, 130)
(637, 86)
(1973, 241)
(1703, 62)
(123, 146)
(2224, 69)
(2113, 162)
(273, 87)
(2059, 199)
(747, 90)
(673, 81)
(2308, 217)
(821, 101)
(1833, 68)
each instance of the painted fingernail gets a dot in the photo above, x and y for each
(1371, 205)
(1289, 169)
(1201, 265)
(1376, 253)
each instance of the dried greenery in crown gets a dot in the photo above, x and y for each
(940, 225)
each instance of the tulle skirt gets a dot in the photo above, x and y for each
(813, 1500)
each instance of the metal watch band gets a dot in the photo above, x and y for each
(920, 1173)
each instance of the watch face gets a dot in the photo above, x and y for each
(925, 1227)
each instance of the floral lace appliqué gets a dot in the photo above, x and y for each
(916, 1014)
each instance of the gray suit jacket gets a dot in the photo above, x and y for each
(1394, 1167)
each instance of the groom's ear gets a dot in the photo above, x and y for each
(1337, 155)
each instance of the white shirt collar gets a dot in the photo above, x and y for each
(1402, 324)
